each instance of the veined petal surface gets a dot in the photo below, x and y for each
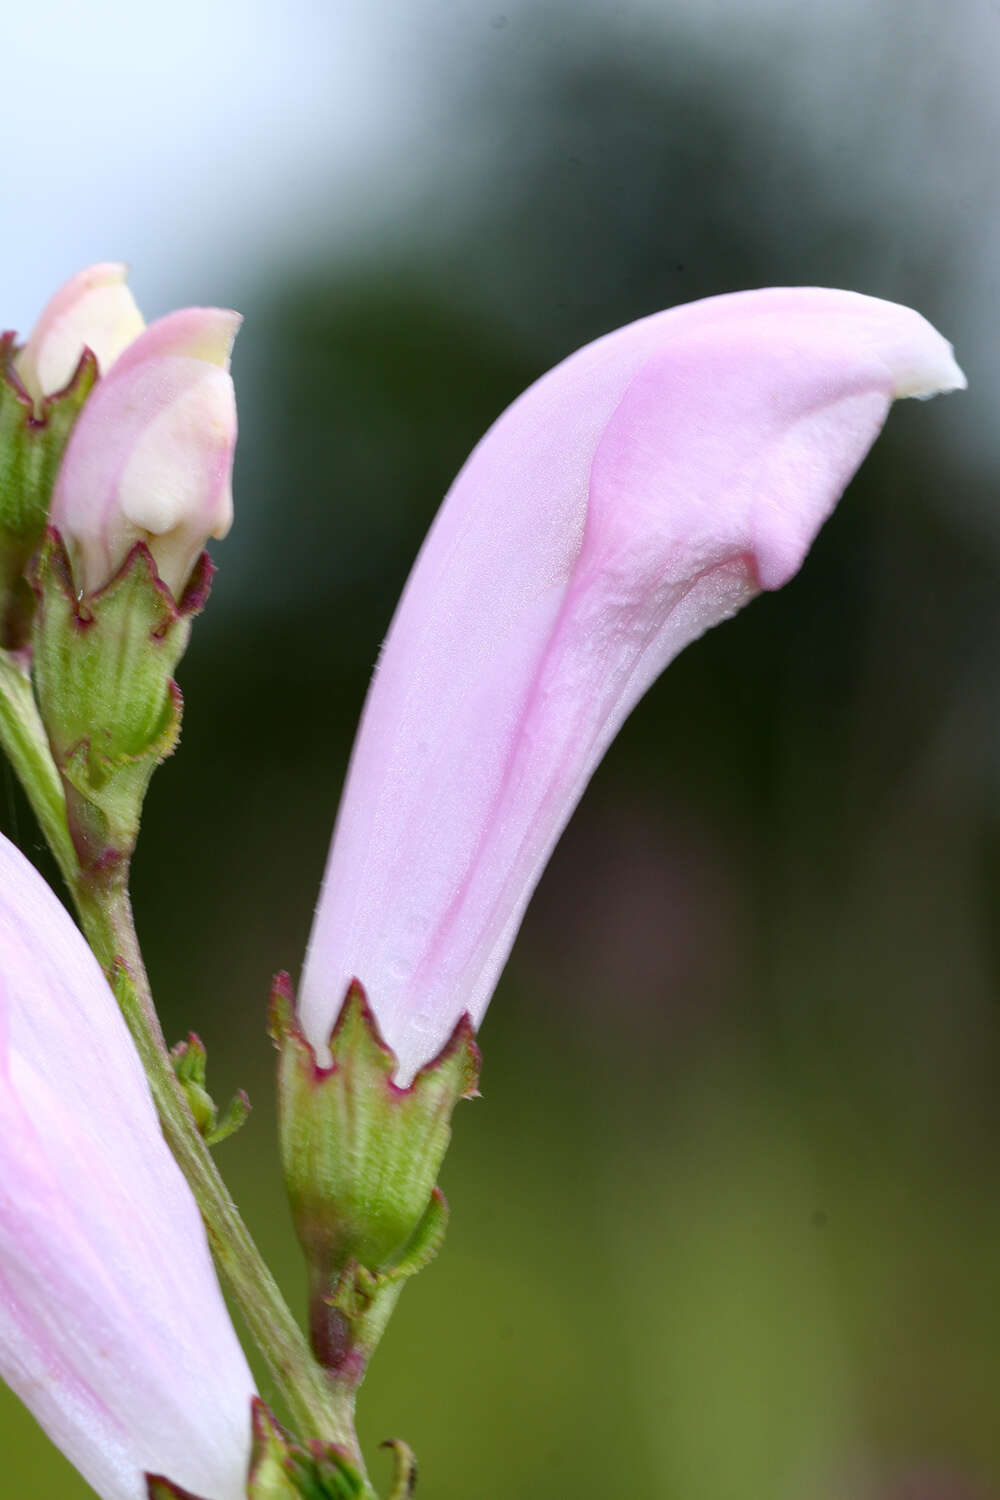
(641, 492)
(113, 1330)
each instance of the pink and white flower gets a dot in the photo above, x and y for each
(151, 455)
(639, 493)
(93, 310)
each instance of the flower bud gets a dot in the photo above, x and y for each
(150, 458)
(93, 310)
(43, 388)
(638, 494)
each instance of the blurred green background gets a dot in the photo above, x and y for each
(726, 1221)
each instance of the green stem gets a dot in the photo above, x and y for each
(23, 738)
(315, 1407)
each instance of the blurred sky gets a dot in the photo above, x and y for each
(225, 141)
(196, 115)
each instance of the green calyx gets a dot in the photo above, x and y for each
(361, 1158)
(102, 670)
(31, 450)
(281, 1469)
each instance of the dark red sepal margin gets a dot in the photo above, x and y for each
(86, 373)
(160, 1488)
(283, 1022)
(192, 601)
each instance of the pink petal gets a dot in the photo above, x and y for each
(638, 494)
(93, 310)
(151, 455)
(112, 1327)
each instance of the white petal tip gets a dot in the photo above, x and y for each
(924, 383)
(923, 363)
(105, 273)
(205, 333)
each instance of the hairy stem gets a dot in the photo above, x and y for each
(106, 918)
(27, 747)
(316, 1409)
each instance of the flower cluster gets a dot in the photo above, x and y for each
(151, 456)
(638, 494)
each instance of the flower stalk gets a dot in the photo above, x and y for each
(23, 739)
(102, 901)
(88, 707)
(314, 1406)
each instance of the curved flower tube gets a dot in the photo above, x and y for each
(639, 493)
(113, 1330)
(151, 456)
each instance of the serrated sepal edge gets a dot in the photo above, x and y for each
(356, 1018)
(103, 680)
(283, 1469)
(54, 555)
(79, 384)
(361, 1157)
(32, 443)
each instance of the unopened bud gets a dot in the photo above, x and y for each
(150, 459)
(94, 310)
(84, 328)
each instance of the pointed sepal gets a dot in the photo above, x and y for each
(103, 679)
(271, 1471)
(282, 1469)
(158, 1488)
(405, 1475)
(329, 1474)
(190, 1064)
(31, 449)
(361, 1157)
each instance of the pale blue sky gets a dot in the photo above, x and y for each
(210, 142)
(157, 134)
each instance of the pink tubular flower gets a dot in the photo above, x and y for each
(150, 458)
(112, 1328)
(93, 310)
(638, 494)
